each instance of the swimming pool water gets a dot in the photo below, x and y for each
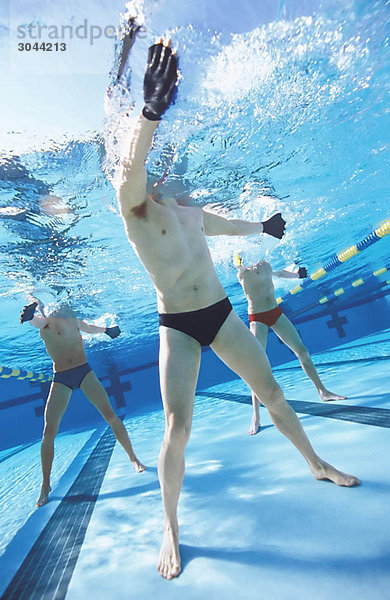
(280, 107)
(288, 112)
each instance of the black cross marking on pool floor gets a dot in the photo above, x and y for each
(41, 395)
(337, 322)
(117, 387)
(366, 415)
(48, 567)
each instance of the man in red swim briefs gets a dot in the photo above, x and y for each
(61, 334)
(256, 281)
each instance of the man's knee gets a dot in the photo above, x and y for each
(273, 397)
(49, 432)
(177, 431)
(302, 354)
(111, 417)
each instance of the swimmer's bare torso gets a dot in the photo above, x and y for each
(168, 238)
(63, 342)
(258, 287)
(170, 241)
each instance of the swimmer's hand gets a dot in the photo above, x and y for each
(27, 313)
(275, 226)
(302, 272)
(113, 332)
(160, 81)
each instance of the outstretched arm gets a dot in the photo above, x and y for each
(284, 274)
(112, 332)
(89, 328)
(217, 225)
(28, 314)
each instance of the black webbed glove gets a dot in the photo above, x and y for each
(275, 226)
(159, 82)
(113, 332)
(302, 272)
(27, 313)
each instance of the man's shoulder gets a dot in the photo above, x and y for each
(196, 210)
(243, 271)
(146, 211)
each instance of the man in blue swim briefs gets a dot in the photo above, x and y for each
(169, 239)
(60, 332)
(264, 313)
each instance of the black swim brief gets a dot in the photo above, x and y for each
(72, 378)
(203, 324)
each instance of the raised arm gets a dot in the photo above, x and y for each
(38, 322)
(217, 225)
(159, 85)
(133, 176)
(28, 314)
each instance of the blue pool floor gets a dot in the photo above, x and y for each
(254, 523)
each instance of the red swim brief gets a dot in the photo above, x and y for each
(268, 317)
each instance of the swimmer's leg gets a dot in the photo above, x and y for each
(241, 351)
(179, 367)
(286, 331)
(97, 395)
(260, 331)
(55, 407)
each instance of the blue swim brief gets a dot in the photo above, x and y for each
(72, 378)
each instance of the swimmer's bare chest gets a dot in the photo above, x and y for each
(171, 244)
(259, 290)
(63, 343)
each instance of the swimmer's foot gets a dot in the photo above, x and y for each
(255, 426)
(169, 564)
(325, 471)
(137, 465)
(327, 396)
(44, 496)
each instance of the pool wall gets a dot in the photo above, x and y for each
(136, 389)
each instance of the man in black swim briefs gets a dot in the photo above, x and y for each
(169, 239)
(264, 313)
(60, 332)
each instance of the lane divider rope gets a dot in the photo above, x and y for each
(8, 372)
(342, 257)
